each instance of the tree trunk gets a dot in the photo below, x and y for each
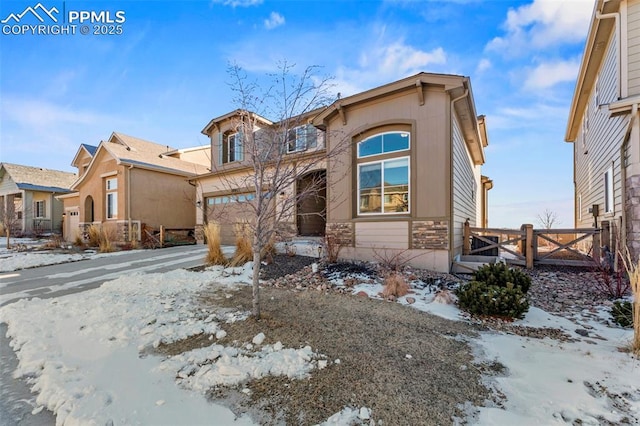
(8, 237)
(256, 281)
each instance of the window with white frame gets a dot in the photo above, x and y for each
(112, 198)
(230, 147)
(301, 138)
(234, 198)
(608, 191)
(579, 206)
(383, 185)
(39, 211)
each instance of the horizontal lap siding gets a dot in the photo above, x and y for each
(464, 187)
(600, 149)
(633, 46)
(394, 235)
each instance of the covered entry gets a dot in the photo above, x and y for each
(311, 190)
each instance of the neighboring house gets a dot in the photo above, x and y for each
(28, 195)
(406, 184)
(126, 182)
(603, 124)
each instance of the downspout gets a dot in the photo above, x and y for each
(451, 117)
(623, 171)
(616, 16)
(129, 200)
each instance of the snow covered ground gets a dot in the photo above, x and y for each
(89, 358)
(12, 260)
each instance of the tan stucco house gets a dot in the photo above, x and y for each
(410, 178)
(28, 194)
(126, 182)
(603, 124)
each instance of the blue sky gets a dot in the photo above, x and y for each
(165, 76)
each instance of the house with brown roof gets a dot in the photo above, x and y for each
(126, 182)
(28, 195)
(604, 128)
(408, 180)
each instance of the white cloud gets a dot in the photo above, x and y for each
(541, 24)
(37, 113)
(483, 65)
(547, 75)
(384, 63)
(238, 3)
(275, 20)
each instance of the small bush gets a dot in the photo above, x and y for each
(93, 236)
(395, 286)
(107, 237)
(479, 298)
(268, 251)
(78, 241)
(622, 313)
(214, 249)
(331, 246)
(244, 251)
(499, 274)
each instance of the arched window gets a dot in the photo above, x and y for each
(383, 179)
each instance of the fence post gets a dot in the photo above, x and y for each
(528, 241)
(605, 234)
(466, 244)
(161, 235)
(596, 252)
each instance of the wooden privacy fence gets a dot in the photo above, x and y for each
(527, 246)
(167, 236)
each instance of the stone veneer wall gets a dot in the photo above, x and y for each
(632, 212)
(199, 233)
(430, 234)
(343, 232)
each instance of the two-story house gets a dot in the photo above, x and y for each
(125, 182)
(409, 178)
(603, 124)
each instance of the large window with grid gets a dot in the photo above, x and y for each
(383, 180)
(112, 198)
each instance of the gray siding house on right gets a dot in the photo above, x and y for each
(603, 125)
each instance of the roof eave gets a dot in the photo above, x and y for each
(594, 51)
(447, 81)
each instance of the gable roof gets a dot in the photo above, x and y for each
(30, 178)
(214, 122)
(594, 54)
(89, 149)
(457, 86)
(140, 153)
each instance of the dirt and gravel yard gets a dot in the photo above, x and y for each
(407, 366)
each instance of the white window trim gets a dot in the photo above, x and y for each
(383, 152)
(111, 192)
(382, 193)
(35, 213)
(608, 191)
(580, 207)
(300, 141)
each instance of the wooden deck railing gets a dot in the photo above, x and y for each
(535, 246)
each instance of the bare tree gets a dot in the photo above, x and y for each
(547, 219)
(273, 160)
(9, 218)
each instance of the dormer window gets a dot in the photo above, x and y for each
(301, 138)
(230, 147)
